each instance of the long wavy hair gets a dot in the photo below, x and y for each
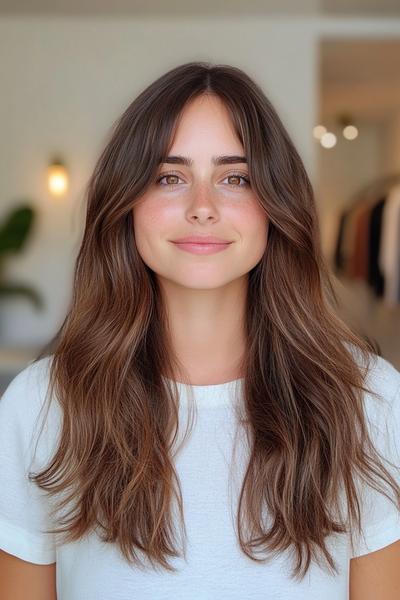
(113, 368)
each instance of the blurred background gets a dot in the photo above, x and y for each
(69, 69)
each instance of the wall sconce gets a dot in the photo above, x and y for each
(57, 178)
(349, 130)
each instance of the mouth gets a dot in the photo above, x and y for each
(201, 239)
(202, 248)
(204, 243)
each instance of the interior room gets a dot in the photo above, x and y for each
(68, 70)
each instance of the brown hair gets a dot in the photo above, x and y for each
(304, 370)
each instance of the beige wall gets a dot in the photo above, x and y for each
(392, 143)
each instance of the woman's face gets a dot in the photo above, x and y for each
(201, 199)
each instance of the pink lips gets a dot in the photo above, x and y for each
(202, 244)
(201, 239)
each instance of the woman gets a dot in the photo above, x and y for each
(281, 473)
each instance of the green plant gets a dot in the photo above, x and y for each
(14, 232)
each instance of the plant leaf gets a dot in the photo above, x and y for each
(14, 231)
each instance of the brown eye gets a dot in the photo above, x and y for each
(168, 176)
(238, 177)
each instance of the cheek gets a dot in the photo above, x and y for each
(145, 217)
(142, 223)
(152, 227)
(151, 218)
(253, 226)
(147, 224)
(253, 223)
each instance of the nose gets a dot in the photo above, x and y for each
(202, 205)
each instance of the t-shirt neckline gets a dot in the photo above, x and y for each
(211, 394)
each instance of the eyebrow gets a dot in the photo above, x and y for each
(224, 159)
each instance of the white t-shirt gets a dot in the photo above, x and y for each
(216, 568)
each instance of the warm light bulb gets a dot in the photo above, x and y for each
(350, 132)
(57, 178)
(328, 140)
(319, 131)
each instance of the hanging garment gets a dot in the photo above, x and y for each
(348, 242)
(389, 251)
(338, 258)
(375, 276)
(358, 264)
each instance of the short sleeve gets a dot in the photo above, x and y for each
(24, 508)
(380, 518)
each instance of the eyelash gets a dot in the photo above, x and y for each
(246, 179)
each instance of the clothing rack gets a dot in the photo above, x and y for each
(368, 239)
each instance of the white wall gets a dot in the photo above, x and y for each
(66, 80)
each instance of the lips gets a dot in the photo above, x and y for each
(203, 248)
(201, 239)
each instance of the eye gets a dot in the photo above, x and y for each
(239, 176)
(165, 176)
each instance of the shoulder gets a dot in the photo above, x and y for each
(381, 408)
(38, 369)
(382, 400)
(384, 375)
(24, 510)
(382, 384)
(24, 390)
(380, 515)
(22, 402)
